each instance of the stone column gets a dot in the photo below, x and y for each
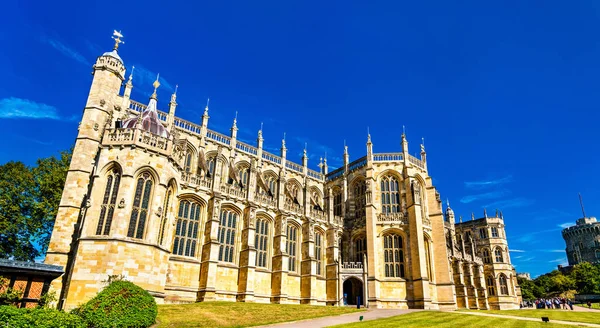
(308, 279)
(331, 270)
(247, 257)
(210, 252)
(279, 293)
(418, 263)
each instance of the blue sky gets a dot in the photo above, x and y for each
(505, 94)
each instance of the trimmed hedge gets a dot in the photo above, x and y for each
(121, 304)
(38, 318)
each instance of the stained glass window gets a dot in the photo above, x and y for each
(292, 241)
(261, 239)
(226, 235)
(186, 230)
(107, 208)
(390, 195)
(393, 255)
(141, 203)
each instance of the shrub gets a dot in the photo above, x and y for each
(38, 318)
(121, 304)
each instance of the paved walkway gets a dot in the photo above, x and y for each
(581, 324)
(370, 314)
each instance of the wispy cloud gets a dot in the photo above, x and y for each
(17, 108)
(517, 251)
(487, 183)
(39, 142)
(484, 196)
(530, 236)
(515, 202)
(143, 78)
(66, 50)
(566, 225)
(555, 251)
(562, 260)
(517, 257)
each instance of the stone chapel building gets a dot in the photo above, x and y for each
(191, 215)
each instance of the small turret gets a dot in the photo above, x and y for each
(404, 142)
(325, 167)
(369, 146)
(346, 155)
(305, 158)
(172, 107)
(449, 212)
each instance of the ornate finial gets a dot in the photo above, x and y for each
(472, 216)
(283, 141)
(422, 145)
(460, 219)
(131, 74)
(484, 213)
(117, 37)
(447, 202)
(156, 84)
(176, 87)
(261, 126)
(235, 120)
(403, 131)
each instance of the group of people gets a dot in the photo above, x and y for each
(550, 303)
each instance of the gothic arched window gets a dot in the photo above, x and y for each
(243, 173)
(359, 199)
(261, 238)
(390, 195)
(166, 210)
(292, 193)
(428, 258)
(393, 255)
(503, 285)
(226, 235)
(360, 248)
(483, 233)
(498, 254)
(337, 203)
(188, 161)
(319, 252)
(486, 256)
(107, 208)
(494, 232)
(212, 164)
(291, 248)
(491, 286)
(141, 204)
(186, 231)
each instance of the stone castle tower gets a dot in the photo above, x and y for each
(190, 214)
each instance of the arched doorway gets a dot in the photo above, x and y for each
(353, 288)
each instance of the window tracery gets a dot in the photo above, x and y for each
(141, 204)
(393, 253)
(390, 195)
(107, 208)
(186, 231)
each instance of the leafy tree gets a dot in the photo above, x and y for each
(29, 199)
(49, 175)
(587, 278)
(17, 228)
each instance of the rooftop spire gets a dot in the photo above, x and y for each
(131, 75)
(117, 37)
(174, 95)
(156, 84)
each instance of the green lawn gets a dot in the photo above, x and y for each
(233, 314)
(564, 315)
(428, 319)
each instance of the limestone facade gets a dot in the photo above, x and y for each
(191, 215)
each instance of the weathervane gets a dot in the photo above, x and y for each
(117, 37)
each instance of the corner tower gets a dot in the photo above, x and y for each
(109, 73)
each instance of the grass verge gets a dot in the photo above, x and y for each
(234, 314)
(428, 319)
(564, 315)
